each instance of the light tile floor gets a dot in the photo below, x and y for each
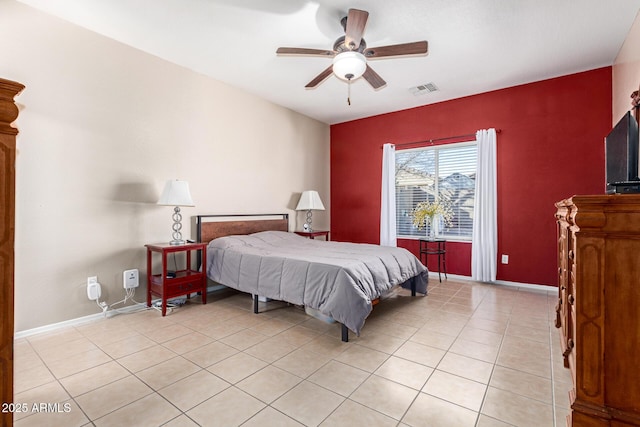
(468, 354)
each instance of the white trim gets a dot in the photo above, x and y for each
(79, 320)
(97, 316)
(93, 317)
(530, 286)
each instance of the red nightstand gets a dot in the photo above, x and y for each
(185, 282)
(313, 234)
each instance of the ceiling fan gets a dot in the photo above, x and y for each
(350, 53)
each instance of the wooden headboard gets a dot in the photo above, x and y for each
(211, 227)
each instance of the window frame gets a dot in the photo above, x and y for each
(436, 148)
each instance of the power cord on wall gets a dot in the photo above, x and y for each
(158, 306)
(129, 296)
(103, 306)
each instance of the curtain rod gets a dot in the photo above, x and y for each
(431, 141)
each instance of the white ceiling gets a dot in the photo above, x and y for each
(474, 45)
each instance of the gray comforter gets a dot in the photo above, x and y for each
(339, 279)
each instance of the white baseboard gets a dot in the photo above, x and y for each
(530, 286)
(142, 306)
(79, 320)
(93, 317)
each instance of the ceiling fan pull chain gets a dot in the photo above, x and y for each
(349, 92)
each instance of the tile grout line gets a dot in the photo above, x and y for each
(331, 358)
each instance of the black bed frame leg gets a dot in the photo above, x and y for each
(255, 304)
(345, 333)
(413, 288)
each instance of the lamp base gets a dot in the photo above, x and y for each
(177, 226)
(307, 225)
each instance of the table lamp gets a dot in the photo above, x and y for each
(309, 201)
(176, 193)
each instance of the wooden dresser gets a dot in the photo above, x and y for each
(598, 311)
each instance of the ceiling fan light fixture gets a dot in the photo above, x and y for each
(349, 65)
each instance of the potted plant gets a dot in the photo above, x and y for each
(428, 213)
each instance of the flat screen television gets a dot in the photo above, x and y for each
(621, 157)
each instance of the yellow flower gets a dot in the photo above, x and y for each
(424, 213)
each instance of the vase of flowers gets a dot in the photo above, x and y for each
(429, 213)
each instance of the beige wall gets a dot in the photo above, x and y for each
(626, 72)
(102, 127)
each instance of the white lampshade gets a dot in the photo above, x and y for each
(349, 65)
(310, 200)
(176, 193)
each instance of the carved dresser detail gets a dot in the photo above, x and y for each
(598, 310)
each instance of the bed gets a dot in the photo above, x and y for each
(340, 280)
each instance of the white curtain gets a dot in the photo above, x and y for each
(484, 249)
(388, 208)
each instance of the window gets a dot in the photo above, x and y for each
(446, 172)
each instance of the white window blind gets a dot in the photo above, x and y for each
(445, 172)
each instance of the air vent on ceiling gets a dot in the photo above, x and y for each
(424, 88)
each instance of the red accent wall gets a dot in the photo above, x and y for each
(550, 147)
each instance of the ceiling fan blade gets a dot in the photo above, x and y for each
(373, 78)
(415, 48)
(356, 21)
(320, 78)
(304, 51)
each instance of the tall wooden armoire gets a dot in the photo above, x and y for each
(599, 306)
(8, 114)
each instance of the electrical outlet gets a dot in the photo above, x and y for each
(93, 288)
(505, 259)
(130, 278)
